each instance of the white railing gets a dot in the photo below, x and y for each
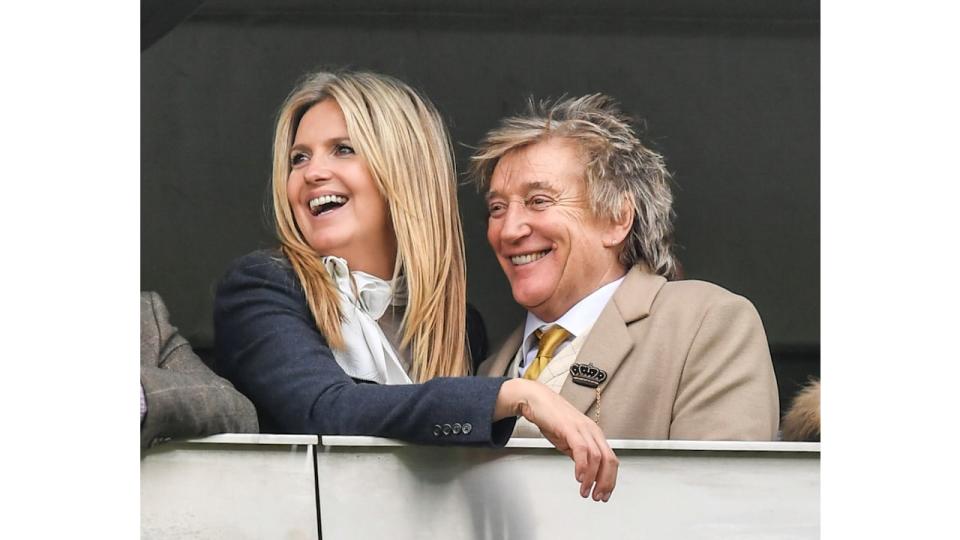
(301, 486)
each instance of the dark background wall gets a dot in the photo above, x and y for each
(729, 91)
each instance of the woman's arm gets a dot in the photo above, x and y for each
(269, 347)
(568, 429)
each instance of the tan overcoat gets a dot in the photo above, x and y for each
(685, 360)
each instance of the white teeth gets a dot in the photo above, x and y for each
(528, 258)
(326, 199)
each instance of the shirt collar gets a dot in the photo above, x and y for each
(578, 319)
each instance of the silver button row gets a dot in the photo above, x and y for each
(456, 429)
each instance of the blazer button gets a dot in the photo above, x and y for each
(467, 428)
(447, 429)
(456, 428)
(436, 430)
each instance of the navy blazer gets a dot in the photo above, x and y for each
(269, 347)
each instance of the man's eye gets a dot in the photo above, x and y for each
(298, 158)
(496, 209)
(540, 203)
(343, 150)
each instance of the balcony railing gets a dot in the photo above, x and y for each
(302, 486)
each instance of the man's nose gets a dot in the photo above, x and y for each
(515, 224)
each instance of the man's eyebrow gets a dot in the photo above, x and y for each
(540, 184)
(527, 188)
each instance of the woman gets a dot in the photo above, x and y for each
(365, 204)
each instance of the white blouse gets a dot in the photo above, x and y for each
(368, 353)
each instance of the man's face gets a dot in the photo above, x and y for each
(552, 248)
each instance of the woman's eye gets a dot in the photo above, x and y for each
(297, 159)
(496, 209)
(343, 150)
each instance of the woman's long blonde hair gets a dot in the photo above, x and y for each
(407, 149)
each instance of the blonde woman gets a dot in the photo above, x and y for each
(356, 325)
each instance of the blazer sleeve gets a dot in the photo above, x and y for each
(728, 390)
(184, 397)
(269, 346)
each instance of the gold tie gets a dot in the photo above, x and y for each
(549, 341)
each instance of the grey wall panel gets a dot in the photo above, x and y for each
(236, 486)
(665, 489)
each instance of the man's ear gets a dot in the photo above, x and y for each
(618, 230)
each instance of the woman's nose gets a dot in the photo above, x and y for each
(317, 170)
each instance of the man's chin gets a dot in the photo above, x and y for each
(529, 300)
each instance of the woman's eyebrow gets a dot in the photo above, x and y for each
(326, 142)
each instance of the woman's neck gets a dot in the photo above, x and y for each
(378, 269)
(378, 263)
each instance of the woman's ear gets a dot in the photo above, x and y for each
(618, 229)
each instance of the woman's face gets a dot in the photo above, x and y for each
(335, 201)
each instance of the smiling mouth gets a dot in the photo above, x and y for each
(326, 203)
(520, 260)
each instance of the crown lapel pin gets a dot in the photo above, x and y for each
(588, 375)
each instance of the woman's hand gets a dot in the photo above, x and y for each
(568, 429)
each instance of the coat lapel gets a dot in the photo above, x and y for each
(500, 362)
(609, 342)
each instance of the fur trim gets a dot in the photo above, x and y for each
(802, 421)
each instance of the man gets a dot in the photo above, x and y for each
(179, 396)
(580, 219)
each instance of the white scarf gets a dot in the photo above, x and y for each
(367, 354)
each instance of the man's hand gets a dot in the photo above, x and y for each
(568, 429)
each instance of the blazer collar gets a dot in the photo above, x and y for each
(636, 294)
(609, 342)
(504, 357)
